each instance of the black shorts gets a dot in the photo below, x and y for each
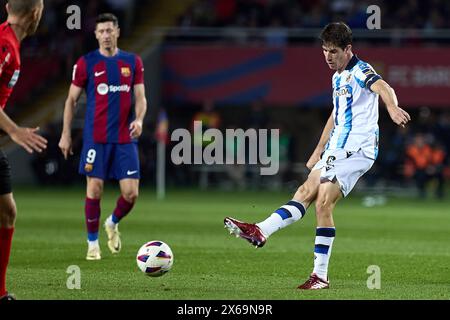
(5, 175)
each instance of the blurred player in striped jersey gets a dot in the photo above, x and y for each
(346, 150)
(111, 78)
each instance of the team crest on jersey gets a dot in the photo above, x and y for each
(88, 167)
(126, 72)
(349, 77)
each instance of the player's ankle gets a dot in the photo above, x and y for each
(93, 243)
(110, 222)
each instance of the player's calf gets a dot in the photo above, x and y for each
(8, 211)
(287, 214)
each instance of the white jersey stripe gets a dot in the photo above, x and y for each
(348, 120)
(338, 82)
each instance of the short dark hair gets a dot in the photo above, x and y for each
(21, 7)
(337, 33)
(107, 17)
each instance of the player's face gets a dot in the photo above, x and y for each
(335, 57)
(107, 34)
(36, 18)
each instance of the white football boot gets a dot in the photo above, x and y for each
(114, 243)
(93, 253)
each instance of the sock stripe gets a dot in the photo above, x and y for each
(114, 218)
(298, 205)
(321, 248)
(293, 211)
(328, 241)
(284, 213)
(92, 236)
(326, 232)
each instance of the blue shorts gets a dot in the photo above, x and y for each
(110, 161)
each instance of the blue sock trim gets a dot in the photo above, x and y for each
(284, 213)
(93, 236)
(114, 218)
(298, 205)
(321, 248)
(326, 232)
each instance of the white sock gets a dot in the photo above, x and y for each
(93, 243)
(282, 217)
(110, 222)
(322, 251)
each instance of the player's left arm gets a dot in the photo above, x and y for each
(140, 110)
(387, 93)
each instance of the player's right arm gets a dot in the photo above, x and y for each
(65, 143)
(79, 81)
(315, 157)
(25, 137)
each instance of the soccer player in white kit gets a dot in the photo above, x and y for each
(346, 150)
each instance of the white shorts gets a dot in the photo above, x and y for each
(344, 166)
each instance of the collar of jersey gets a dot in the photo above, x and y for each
(353, 61)
(114, 56)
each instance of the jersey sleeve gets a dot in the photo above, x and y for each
(5, 56)
(139, 71)
(367, 75)
(79, 76)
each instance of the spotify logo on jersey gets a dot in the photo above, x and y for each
(102, 89)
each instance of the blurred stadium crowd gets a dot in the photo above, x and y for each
(412, 156)
(315, 13)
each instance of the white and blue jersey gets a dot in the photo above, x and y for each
(355, 111)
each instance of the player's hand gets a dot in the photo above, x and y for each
(399, 116)
(315, 157)
(29, 139)
(135, 129)
(65, 144)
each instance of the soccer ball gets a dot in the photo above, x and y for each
(155, 258)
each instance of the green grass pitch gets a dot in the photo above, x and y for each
(407, 238)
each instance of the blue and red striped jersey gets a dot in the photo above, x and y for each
(109, 84)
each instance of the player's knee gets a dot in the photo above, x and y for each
(9, 214)
(130, 196)
(304, 193)
(95, 191)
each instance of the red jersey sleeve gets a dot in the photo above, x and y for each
(79, 76)
(5, 56)
(139, 71)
